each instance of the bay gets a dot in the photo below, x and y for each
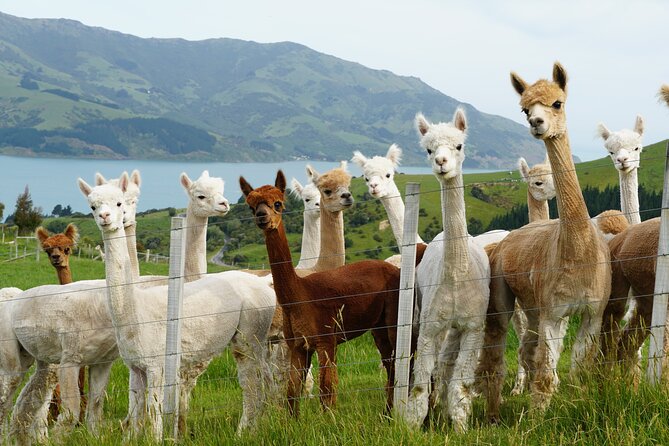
(53, 181)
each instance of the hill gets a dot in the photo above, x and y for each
(67, 89)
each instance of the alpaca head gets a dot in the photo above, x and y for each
(624, 146)
(334, 188)
(379, 171)
(59, 246)
(309, 194)
(266, 202)
(131, 196)
(205, 195)
(106, 202)
(543, 103)
(539, 179)
(444, 143)
(664, 93)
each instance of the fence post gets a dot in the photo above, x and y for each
(173, 333)
(658, 322)
(405, 308)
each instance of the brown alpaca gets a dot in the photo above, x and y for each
(59, 248)
(555, 269)
(326, 308)
(664, 93)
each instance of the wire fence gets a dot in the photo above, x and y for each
(100, 289)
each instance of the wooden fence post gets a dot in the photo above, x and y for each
(405, 309)
(173, 332)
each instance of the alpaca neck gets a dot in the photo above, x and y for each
(395, 210)
(131, 240)
(286, 281)
(311, 240)
(196, 246)
(120, 290)
(456, 237)
(537, 209)
(64, 275)
(629, 196)
(575, 223)
(332, 241)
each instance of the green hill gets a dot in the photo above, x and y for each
(67, 89)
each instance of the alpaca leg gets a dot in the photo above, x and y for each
(614, 312)
(463, 377)
(636, 331)
(585, 344)
(528, 346)
(386, 347)
(155, 380)
(327, 371)
(98, 378)
(82, 393)
(254, 379)
(491, 367)
(519, 322)
(26, 422)
(443, 372)
(136, 401)
(424, 362)
(546, 358)
(279, 362)
(68, 379)
(300, 360)
(9, 382)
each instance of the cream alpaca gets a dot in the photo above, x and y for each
(453, 289)
(241, 314)
(555, 270)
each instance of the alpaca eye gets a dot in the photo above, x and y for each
(459, 147)
(429, 151)
(637, 149)
(307, 200)
(611, 153)
(327, 192)
(277, 205)
(201, 197)
(557, 105)
(538, 183)
(92, 208)
(118, 204)
(67, 250)
(366, 180)
(526, 111)
(387, 175)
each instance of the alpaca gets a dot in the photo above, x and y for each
(239, 305)
(453, 289)
(555, 269)
(311, 232)
(540, 189)
(327, 308)
(58, 248)
(85, 301)
(10, 354)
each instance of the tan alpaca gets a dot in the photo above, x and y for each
(555, 269)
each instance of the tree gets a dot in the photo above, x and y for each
(2, 210)
(26, 217)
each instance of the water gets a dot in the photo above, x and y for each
(54, 181)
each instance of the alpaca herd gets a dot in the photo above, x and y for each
(467, 290)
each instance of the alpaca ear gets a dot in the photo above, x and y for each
(310, 173)
(123, 182)
(41, 234)
(99, 179)
(460, 120)
(422, 124)
(186, 182)
(72, 232)
(638, 125)
(518, 83)
(560, 76)
(394, 155)
(84, 187)
(603, 131)
(296, 187)
(664, 93)
(314, 174)
(205, 174)
(524, 169)
(359, 158)
(343, 164)
(136, 178)
(280, 182)
(245, 186)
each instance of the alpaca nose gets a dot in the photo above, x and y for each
(346, 195)
(623, 159)
(536, 121)
(55, 256)
(105, 215)
(224, 204)
(440, 160)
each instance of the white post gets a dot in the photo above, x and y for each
(405, 309)
(659, 320)
(173, 337)
(147, 258)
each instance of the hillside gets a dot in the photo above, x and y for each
(67, 89)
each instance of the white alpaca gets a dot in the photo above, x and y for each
(311, 232)
(84, 302)
(226, 308)
(453, 288)
(624, 148)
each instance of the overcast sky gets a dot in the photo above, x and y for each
(615, 52)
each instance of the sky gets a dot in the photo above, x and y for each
(615, 52)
